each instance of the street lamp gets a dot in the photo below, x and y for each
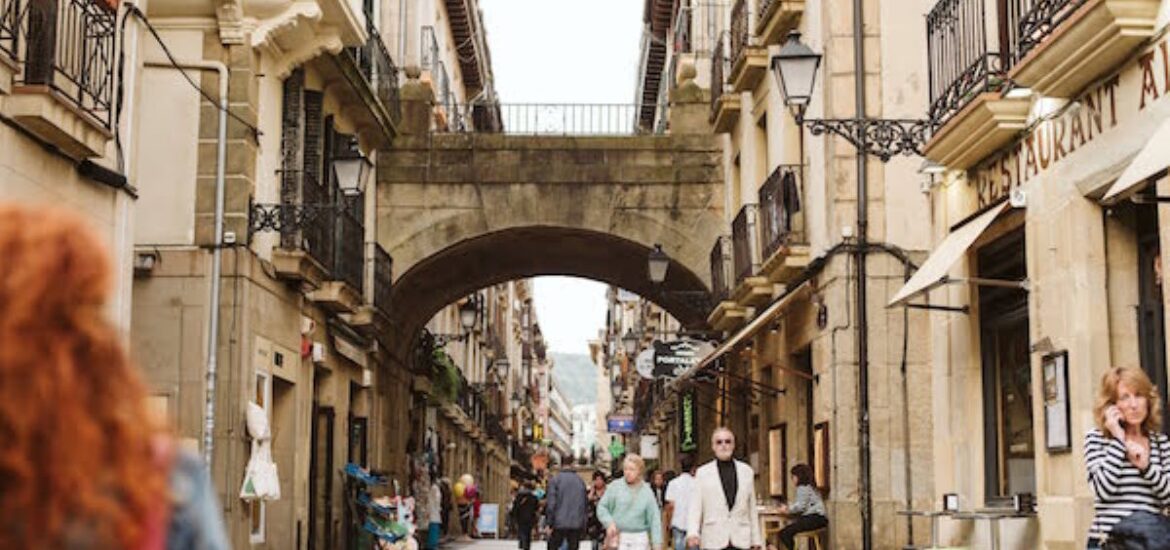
(468, 314)
(658, 262)
(351, 169)
(796, 67)
(501, 366)
(630, 342)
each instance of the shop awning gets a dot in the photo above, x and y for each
(934, 272)
(1148, 162)
(750, 329)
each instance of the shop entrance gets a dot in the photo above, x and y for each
(1151, 311)
(1009, 447)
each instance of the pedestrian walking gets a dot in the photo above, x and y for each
(724, 506)
(593, 528)
(567, 509)
(83, 463)
(524, 510)
(434, 516)
(807, 512)
(628, 510)
(658, 487)
(678, 495)
(1128, 462)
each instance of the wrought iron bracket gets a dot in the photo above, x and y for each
(694, 300)
(444, 339)
(282, 216)
(881, 137)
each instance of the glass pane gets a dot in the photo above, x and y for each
(1017, 446)
(776, 465)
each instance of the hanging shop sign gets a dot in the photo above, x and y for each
(1119, 99)
(674, 358)
(649, 447)
(620, 424)
(644, 363)
(688, 413)
(616, 447)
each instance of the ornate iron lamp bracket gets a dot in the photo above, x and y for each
(282, 216)
(882, 138)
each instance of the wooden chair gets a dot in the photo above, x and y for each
(812, 539)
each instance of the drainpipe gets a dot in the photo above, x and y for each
(216, 245)
(862, 309)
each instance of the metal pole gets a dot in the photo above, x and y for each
(216, 246)
(862, 309)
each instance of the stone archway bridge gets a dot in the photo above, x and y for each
(461, 211)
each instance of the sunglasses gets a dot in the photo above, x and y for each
(723, 441)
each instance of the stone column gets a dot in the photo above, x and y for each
(690, 108)
(417, 103)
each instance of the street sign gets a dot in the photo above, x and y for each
(620, 424)
(644, 363)
(688, 410)
(674, 358)
(616, 448)
(489, 519)
(649, 447)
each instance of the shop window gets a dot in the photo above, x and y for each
(820, 456)
(777, 460)
(1008, 431)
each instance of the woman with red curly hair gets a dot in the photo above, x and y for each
(80, 465)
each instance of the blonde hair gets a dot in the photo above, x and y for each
(1134, 378)
(636, 461)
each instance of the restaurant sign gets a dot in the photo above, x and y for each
(1122, 97)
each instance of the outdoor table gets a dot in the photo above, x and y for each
(933, 515)
(993, 516)
(770, 515)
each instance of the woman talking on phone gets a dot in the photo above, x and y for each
(1127, 458)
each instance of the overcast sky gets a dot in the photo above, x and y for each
(565, 51)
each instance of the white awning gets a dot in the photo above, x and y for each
(750, 330)
(1150, 160)
(934, 271)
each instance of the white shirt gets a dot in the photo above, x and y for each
(678, 491)
(435, 505)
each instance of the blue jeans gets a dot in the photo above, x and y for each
(679, 537)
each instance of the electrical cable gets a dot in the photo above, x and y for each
(136, 12)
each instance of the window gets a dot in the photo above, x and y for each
(820, 456)
(1150, 311)
(1008, 442)
(777, 460)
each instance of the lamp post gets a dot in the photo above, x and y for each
(630, 343)
(657, 264)
(795, 67)
(470, 312)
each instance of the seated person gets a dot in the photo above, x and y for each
(807, 512)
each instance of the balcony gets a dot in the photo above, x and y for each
(750, 289)
(749, 61)
(966, 82)
(725, 105)
(782, 230)
(372, 85)
(378, 69)
(727, 314)
(57, 64)
(776, 18)
(1065, 45)
(373, 319)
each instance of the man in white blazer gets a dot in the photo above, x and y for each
(722, 514)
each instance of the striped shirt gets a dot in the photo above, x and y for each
(1119, 488)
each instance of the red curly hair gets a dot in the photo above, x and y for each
(77, 458)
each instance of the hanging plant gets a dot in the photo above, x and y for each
(445, 375)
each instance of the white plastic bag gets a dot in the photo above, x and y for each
(257, 421)
(261, 480)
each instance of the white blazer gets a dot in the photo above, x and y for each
(708, 517)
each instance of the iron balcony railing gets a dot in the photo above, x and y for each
(744, 236)
(349, 259)
(740, 29)
(428, 50)
(720, 269)
(379, 70)
(383, 279)
(781, 199)
(582, 119)
(65, 45)
(697, 27)
(965, 59)
(719, 70)
(1037, 19)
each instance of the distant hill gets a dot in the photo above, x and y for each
(576, 375)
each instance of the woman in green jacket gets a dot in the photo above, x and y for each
(629, 511)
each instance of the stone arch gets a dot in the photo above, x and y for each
(516, 253)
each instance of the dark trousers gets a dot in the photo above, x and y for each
(524, 533)
(573, 536)
(800, 525)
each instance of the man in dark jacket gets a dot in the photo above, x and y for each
(567, 508)
(524, 514)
